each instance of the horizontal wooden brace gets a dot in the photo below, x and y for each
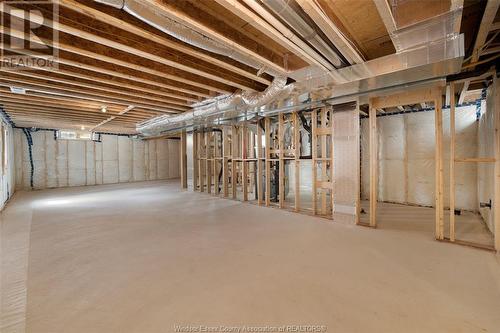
(476, 159)
(323, 131)
(324, 185)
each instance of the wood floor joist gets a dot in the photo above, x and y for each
(188, 14)
(122, 23)
(63, 112)
(189, 71)
(121, 73)
(62, 77)
(68, 85)
(135, 66)
(56, 101)
(48, 88)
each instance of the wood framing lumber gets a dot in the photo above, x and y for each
(452, 161)
(373, 164)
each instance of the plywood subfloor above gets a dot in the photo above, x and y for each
(361, 22)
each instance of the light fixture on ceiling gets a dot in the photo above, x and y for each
(18, 90)
(83, 128)
(104, 109)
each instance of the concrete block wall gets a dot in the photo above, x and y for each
(116, 159)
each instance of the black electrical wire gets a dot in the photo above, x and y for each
(29, 139)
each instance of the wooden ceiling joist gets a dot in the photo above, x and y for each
(72, 56)
(108, 57)
(33, 97)
(111, 118)
(41, 112)
(158, 101)
(218, 30)
(122, 24)
(385, 13)
(486, 22)
(66, 90)
(61, 111)
(180, 70)
(79, 96)
(121, 73)
(120, 83)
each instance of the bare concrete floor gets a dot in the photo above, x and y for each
(145, 257)
(469, 226)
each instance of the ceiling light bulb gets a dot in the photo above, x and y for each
(83, 127)
(104, 109)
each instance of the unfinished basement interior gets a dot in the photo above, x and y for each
(249, 166)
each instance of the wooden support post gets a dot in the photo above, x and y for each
(195, 161)
(225, 163)
(216, 163)
(244, 177)
(234, 156)
(452, 161)
(323, 162)
(183, 159)
(373, 165)
(208, 174)
(439, 167)
(281, 156)
(296, 146)
(314, 153)
(267, 130)
(358, 167)
(201, 153)
(259, 164)
(332, 162)
(252, 172)
(496, 182)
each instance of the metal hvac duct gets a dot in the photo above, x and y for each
(285, 10)
(164, 21)
(426, 50)
(217, 106)
(425, 60)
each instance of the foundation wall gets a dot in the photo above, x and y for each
(406, 158)
(7, 167)
(116, 159)
(486, 171)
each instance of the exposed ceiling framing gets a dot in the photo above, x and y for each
(112, 59)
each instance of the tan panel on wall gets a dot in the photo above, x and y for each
(61, 163)
(76, 163)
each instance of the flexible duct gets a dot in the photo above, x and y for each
(437, 50)
(218, 105)
(159, 19)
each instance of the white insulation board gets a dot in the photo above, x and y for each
(9, 176)
(406, 148)
(486, 171)
(61, 163)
